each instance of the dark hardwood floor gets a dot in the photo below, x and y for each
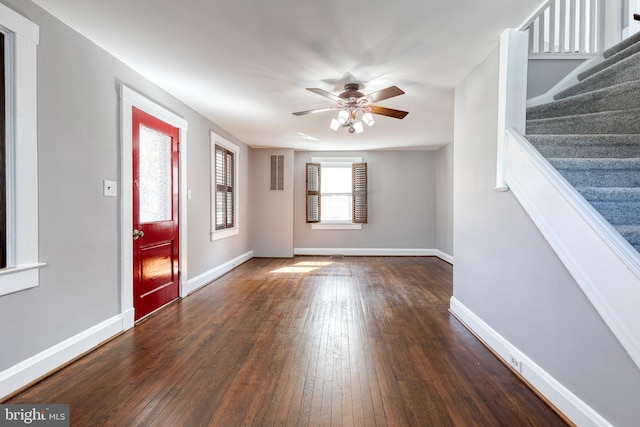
(353, 341)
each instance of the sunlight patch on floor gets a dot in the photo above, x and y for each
(303, 267)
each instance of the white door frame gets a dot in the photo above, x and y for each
(129, 99)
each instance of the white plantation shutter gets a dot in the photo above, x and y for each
(224, 175)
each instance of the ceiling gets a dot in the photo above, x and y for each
(245, 64)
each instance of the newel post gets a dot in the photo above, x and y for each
(512, 93)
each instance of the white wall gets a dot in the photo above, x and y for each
(272, 231)
(401, 203)
(78, 143)
(444, 200)
(506, 274)
(543, 74)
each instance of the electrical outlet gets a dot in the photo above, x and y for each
(109, 188)
(515, 363)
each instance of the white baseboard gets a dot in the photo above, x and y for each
(364, 251)
(29, 370)
(444, 256)
(209, 276)
(374, 252)
(568, 403)
(128, 319)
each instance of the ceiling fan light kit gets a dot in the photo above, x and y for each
(356, 108)
(368, 119)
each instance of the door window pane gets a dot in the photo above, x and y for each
(155, 176)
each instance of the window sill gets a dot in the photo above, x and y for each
(335, 226)
(17, 279)
(223, 234)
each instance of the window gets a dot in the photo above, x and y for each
(224, 184)
(336, 193)
(224, 188)
(20, 39)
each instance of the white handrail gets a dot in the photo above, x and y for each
(567, 27)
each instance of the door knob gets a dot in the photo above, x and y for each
(137, 233)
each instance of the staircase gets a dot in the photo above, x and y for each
(591, 134)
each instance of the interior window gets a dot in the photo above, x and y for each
(336, 192)
(225, 157)
(225, 200)
(18, 153)
(3, 161)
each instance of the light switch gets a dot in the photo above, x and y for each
(189, 194)
(110, 188)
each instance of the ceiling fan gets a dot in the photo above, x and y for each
(354, 107)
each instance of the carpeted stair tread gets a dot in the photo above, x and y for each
(624, 44)
(617, 212)
(609, 61)
(610, 194)
(607, 122)
(591, 134)
(604, 172)
(576, 146)
(625, 70)
(596, 164)
(618, 97)
(630, 232)
(618, 205)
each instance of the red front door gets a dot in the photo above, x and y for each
(155, 213)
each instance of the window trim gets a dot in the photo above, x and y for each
(216, 139)
(335, 225)
(21, 40)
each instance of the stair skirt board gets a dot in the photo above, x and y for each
(577, 175)
(605, 266)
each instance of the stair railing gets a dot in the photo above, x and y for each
(569, 27)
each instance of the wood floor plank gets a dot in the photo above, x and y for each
(308, 341)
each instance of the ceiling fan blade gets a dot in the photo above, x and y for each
(387, 93)
(324, 93)
(318, 110)
(397, 114)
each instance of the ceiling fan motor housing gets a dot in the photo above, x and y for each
(351, 91)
